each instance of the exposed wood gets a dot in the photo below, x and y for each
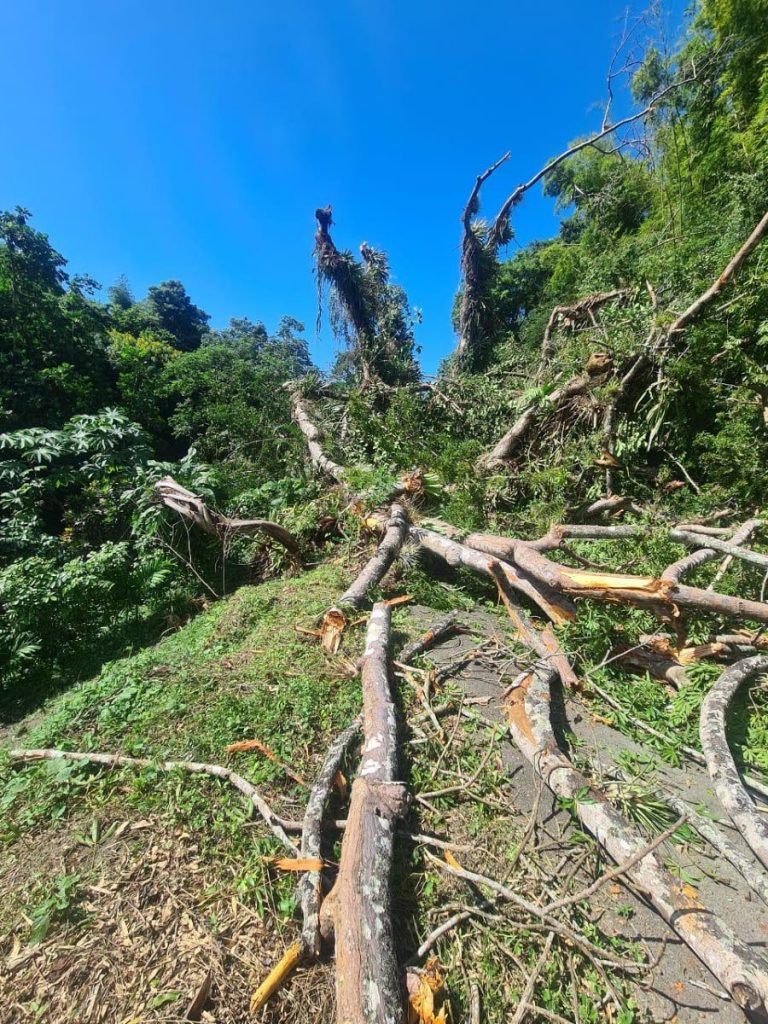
(735, 965)
(662, 597)
(192, 507)
(720, 763)
(285, 966)
(194, 767)
(643, 659)
(454, 554)
(369, 986)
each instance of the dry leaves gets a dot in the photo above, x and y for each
(425, 990)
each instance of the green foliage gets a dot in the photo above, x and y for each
(53, 360)
(57, 904)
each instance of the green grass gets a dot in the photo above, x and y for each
(240, 670)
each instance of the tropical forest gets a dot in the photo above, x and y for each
(336, 690)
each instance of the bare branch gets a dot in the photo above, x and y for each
(191, 507)
(720, 763)
(195, 767)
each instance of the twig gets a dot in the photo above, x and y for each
(460, 786)
(620, 869)
(533, 911)
(437, 933)
(194, 767)
(522, 1006)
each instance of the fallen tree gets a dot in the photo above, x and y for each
(658, 343)
(730, 791)
(194, 510)
(742, 972)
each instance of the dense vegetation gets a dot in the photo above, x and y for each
(575, 343)
(100, 398)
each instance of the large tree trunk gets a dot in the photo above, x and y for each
(737, 967)
(369, 984)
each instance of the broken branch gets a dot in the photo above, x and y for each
(192, 507)
(720, 763)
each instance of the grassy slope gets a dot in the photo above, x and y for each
(241, 670)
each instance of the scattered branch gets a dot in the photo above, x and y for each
(720, 763)
(194, 767)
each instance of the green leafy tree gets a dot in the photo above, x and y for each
(53, 359)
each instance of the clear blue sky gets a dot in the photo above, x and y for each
(193, 140)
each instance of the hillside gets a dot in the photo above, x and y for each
(230, 788)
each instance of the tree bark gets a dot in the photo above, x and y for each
(310, 885)
(735, 965)
(369, 984)
(722, 768)
(314, 437)
(395, 534)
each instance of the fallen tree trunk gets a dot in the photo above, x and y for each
(314, 437)
(722, 768)
(192, 508)
(735, 965)
(369, 984)
(505, 448)
(395, 534)
(553, 586)
(455, 553)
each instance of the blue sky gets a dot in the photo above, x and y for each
(193, 140)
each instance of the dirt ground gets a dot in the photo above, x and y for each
(680, 988)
